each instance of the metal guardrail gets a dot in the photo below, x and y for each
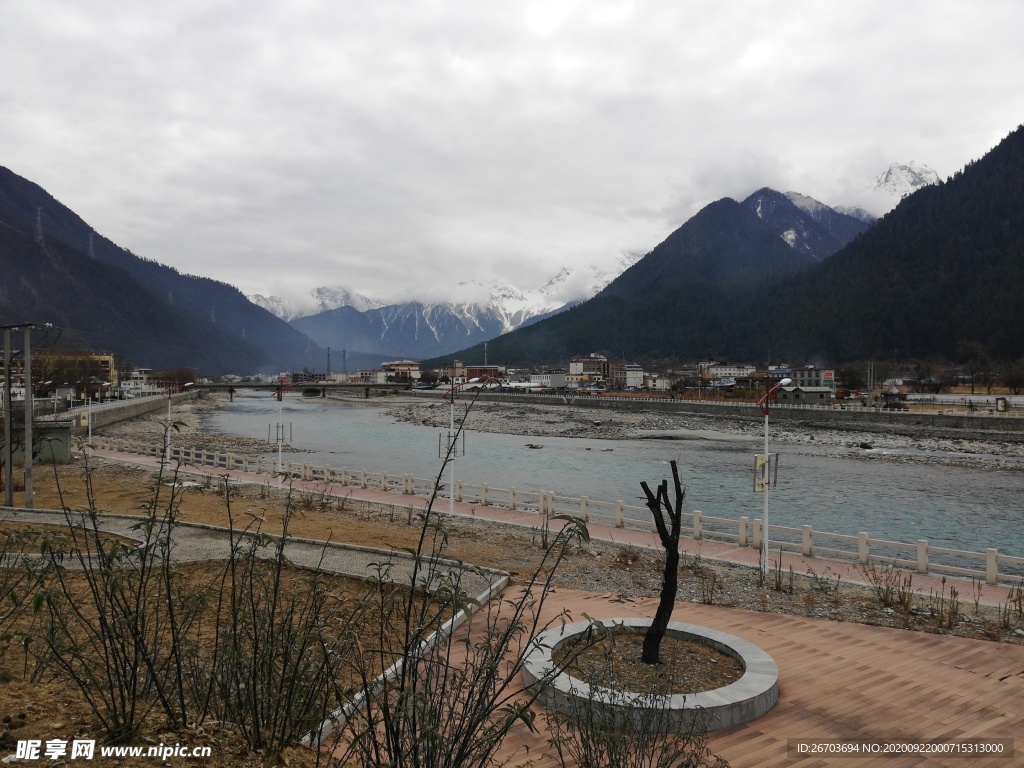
(993, 566)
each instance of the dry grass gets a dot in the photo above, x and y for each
(45, 708)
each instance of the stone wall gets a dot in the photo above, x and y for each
(125, 411)
(853, 417)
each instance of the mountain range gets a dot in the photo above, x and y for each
(429, 329)
(100, 296)
(943, 270)
(423, 329)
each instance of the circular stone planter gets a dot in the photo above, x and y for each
(742, 701)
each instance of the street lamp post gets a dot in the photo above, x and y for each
(452, 450)
(766, 469)
(167, 431)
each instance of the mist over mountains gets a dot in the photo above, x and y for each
(100, 296)
(943, 269)
(105, 297)
(419, 329)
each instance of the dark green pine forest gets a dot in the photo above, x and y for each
(103, 297)
(945, 268)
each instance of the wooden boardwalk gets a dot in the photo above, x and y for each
(843, 681)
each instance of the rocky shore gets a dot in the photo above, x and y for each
(191, 429)
(626, 571)
(868, 441)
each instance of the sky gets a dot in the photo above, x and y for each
(398, 148)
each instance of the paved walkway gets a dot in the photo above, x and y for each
(706, 548)
(845, 681)
(837, 680)
(201, 543)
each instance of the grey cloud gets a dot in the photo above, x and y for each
(391, 145)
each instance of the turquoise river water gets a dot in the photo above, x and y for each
(958, 507)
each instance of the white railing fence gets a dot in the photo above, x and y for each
(920, 556)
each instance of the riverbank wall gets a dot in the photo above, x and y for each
(125, 410)
(854, 417)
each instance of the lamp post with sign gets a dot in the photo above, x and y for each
(450, 451)
(764, 463)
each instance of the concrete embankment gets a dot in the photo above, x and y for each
(115, 413)
(854, 417)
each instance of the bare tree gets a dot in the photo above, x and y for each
(1013, 377)
(668, 532)
(449, 699)
(975, 359)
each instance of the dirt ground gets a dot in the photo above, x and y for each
(34, 709)
(627, 572)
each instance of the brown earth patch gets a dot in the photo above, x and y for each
(615, 662)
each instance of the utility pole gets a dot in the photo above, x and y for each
(8, 412)
(29, 493)
(328, 362)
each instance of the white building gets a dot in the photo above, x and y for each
(632, 376)
(549, 379)
(814, 377)
(727, 370)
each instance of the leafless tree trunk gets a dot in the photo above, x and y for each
(668, 532)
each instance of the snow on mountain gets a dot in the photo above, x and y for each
(804, 224)
(273, 304)
(477, 311)
(806, 204)
(316, 301)
(511, 307)
(902, 179)
(856, 212)
(332, 298)
(821, 212)
(889, 187)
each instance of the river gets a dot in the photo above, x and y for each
(958, 507)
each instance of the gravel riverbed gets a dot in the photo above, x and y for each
(633, 573)
(869, 441)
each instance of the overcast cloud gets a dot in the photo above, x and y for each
(397, 147)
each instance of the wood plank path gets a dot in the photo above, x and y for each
(844, 681)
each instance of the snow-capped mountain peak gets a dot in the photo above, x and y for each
(275, 305)
(316, 301)
(857, 212)
(888, 188)
(806, 204)
(472, 311)
(333, 298)
(900, 179)
(471, 308)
